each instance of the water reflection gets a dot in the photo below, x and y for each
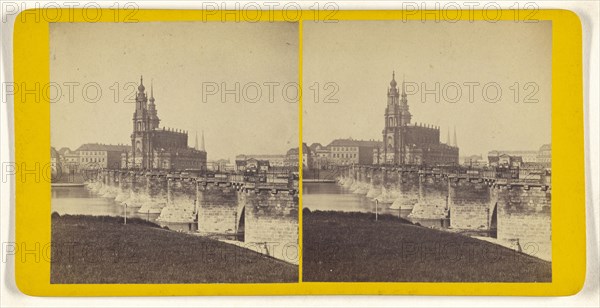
(80, 201)
(334, 197)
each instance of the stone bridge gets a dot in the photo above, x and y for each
(249, 209)
(512, 206)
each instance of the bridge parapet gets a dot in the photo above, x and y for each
(528, 178)
(274, 181)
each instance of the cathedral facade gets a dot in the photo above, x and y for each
(405, 143)
(155, 148)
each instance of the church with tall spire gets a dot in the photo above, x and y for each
(158, 148)
(406, 143)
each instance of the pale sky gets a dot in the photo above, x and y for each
(359, 56)
(180, 58)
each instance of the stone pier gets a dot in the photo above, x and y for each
(229, 207)
(470, 204)
(507, 209)
(218, 209)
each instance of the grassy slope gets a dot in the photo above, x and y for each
(353, 247)
(102, 250)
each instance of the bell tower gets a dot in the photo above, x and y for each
(397, 117)
(152, 113)
(405, 116)
(139, 137)
(392, 121)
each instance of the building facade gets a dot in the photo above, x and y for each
(473, 160)
(542, 157)
(345, 152)
(292, 158)
(526, 156)
(252, 165)
(275, 160)
(405, 143)
(221, 165)
(54, 162)
(158, 148)
(505, 160)
(94, 156)
(69, 160)
(321, 156)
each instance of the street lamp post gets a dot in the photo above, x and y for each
(125, 211)
(376, 209)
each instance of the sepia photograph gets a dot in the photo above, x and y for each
(291, 150)
(428, 151)
(175, 152)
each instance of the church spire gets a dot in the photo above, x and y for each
(448, 137)
(141, 87)
(454, 143)
(403, 100)
(202, 143)
(393, 82)
(152, 91)
(196, 142)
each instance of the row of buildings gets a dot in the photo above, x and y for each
(152, 147)
(404, 142)
(273, 162)
(339, 152)
(407, 143)
(88, 156)
(542, 157)
(160, 148)
(504, 158)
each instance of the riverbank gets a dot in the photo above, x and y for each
(347, 247)
(100, 249)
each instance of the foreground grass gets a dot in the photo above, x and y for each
(354, 247)
(87, 249)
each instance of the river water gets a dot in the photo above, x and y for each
(335, 197)
(316, 196)
(81, 201)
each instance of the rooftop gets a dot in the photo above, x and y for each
(104, 147)
(355, 143)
